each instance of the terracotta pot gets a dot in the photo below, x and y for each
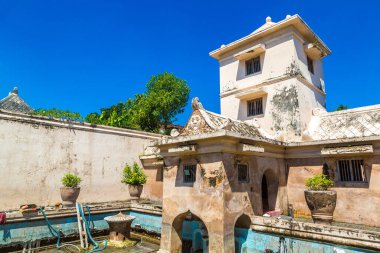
(322, 205)
(69, 196)
(135, 190)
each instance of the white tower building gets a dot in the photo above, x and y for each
(273, 77)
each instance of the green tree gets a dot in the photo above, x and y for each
(57, 113)
(93, 118)
(341, 108)
(117, 115)
(155, 109)
(166, 96)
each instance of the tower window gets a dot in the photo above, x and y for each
(243, 173)
(255, 107)
(252, 66)
(351, 171)
(310, 65)
(189, 173)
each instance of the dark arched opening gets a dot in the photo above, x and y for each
(189, 234)
(264, 194)
(269, 190)
(241, 230)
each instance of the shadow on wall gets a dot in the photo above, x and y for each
(261, 189)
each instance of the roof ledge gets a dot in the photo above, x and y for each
(314, 51)
(250, 52)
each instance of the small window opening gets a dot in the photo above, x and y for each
(255, 107)
(243, 173)
(351, 171)
(189, 173)
(252, 66)
(310, 65)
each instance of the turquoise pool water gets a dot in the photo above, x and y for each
(246, 241)
(36, 230)
(254, 242)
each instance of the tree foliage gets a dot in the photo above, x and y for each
(59, 114)
(341, 108)
(117, 115)
(155, 109)
(165, 97)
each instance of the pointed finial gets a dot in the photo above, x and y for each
(288, 16)
(268, 19)
(15, 91)
(195, 104)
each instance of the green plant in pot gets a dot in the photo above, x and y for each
(320, 199)
(70, 189)
(135, 178)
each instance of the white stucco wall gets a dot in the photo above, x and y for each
(317, 78)
(281, 50)
(306, 97)
(279, 53)
(35, 153)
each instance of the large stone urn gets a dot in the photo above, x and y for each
(322, 205)
(135, 191)
(69, 196)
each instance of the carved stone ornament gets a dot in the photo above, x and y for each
(174, 133)
(250, 148)
(187, 148)
(195, 104)
(347, 150)
(196, 125)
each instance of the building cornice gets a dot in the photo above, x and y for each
(294, 20)
(268, 82)
(233, 142)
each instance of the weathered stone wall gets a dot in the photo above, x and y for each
(35, 152)
(200, 198)
(356, 202)
(216, 197)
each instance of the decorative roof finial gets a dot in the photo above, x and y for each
(15, 91)
(195, 104)
(268, 19)
(288, 16)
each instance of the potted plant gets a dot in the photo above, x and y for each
(320, 200)
(135, 178)
(70, 190)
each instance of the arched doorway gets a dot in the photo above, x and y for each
(241, 230)
(269, 190)
(189, 234)
(264, 194)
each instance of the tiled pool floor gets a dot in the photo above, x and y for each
(143, 247)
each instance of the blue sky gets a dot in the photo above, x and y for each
(83, 55)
